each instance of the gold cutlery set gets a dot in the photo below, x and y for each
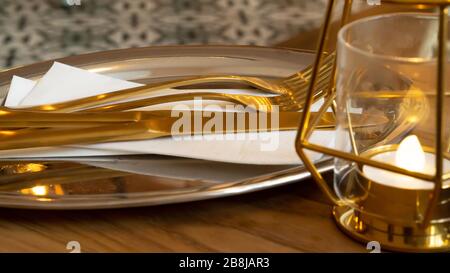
(101, 118)
(116, 116)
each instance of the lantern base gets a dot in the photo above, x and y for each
(436, 238)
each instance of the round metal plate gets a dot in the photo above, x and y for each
(124, 181)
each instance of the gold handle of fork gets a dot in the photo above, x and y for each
(152, 88)
(256, 102)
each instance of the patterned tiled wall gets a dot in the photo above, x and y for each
(32, 30)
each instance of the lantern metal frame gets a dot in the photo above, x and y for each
(347, 218)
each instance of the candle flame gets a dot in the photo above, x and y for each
(410, 154)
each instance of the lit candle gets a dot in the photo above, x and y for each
(410, 156)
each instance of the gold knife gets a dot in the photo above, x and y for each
(126, 126)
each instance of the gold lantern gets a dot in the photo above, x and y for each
(392, 177)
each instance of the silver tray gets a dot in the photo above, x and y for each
(126, 181)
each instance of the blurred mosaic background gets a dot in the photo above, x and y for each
(33, 30)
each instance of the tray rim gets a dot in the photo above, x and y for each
(75, 59)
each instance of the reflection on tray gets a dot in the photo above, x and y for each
(120, 174)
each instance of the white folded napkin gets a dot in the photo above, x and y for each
(18, 90)
(63, 83)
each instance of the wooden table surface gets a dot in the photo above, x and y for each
(291, 218)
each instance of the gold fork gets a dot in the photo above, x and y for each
(291, 92)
